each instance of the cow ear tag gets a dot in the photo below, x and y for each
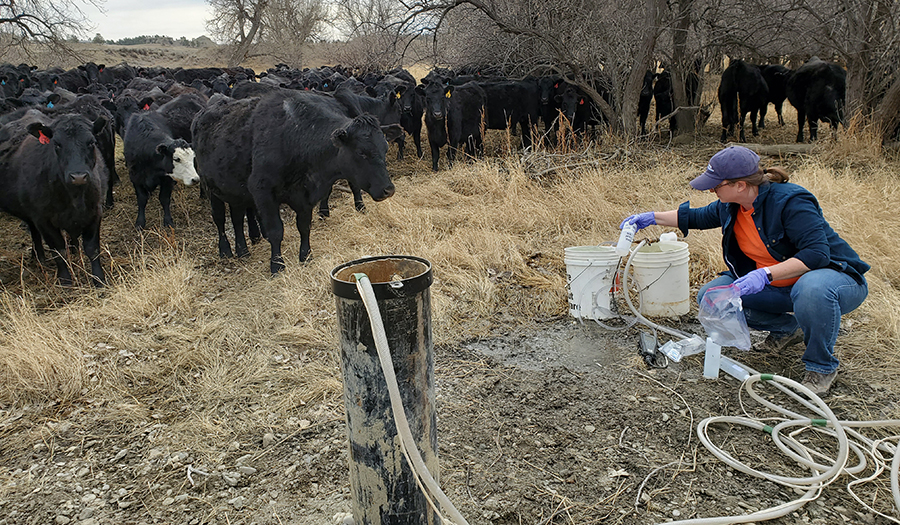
(146, 107)
(448, 94)
(50, 105)
(43, 139)
(581, 102)
(397, 95)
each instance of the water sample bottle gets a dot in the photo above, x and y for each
(625, 239)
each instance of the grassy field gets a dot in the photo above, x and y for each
(220, 350)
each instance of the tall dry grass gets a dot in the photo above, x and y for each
(222, 350)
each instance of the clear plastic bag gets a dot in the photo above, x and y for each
(722, 315)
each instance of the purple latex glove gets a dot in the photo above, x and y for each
(753, 282)
(641, 220)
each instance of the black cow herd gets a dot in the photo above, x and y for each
(255, 142)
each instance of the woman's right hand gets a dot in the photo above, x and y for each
(640, 220)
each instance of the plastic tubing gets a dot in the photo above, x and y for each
(821, 474)
(410, 450)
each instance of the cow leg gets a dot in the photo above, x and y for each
(778, 108)
(743, 136)
(237, 223)
(253, 226)
(762, 116)
(451, 155)
(324, 210)
(304, 222)
(753, 127)
(270, 219)
(57, 245)
(218, 216)
(801, 121)
(357, 197)
(165, 199)
(401, 145)
(37, 243)
(142, 197)
(417, 139)
(435, 157)
(813, 128)
(90, 242)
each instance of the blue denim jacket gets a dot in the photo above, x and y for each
(790, 224)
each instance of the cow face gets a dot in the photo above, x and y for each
(362, 147)
(70, 141)
(569, 101)
(548, 87)
(183, 169)
(437, 98)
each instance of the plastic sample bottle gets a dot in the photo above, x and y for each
(625, 239)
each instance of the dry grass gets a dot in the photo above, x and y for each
(226, 351)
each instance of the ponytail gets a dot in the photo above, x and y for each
(777, 174)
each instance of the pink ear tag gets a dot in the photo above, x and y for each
(43, 139)
(146, 107)
(581, 102)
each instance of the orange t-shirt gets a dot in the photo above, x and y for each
(752, 245)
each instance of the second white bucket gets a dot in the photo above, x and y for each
(661, 274)
(590, 274)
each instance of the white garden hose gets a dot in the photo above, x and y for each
(420, 471)
(822, 474)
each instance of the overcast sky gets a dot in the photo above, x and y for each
(130, 18)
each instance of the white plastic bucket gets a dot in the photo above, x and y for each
(661, 274)
(590, 276)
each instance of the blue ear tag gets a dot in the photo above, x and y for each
(2, 82)
(49, 104)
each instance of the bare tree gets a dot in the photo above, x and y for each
(266, 27)
(594, 44)
(372, 31)
(47, 23)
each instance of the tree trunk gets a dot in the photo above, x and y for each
(641, 63)
(887, 114)
(682, 67)
(243, 47)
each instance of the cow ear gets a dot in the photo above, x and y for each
(145, 103)
(54, 98)
(40, 132)
(420, 89)
(371, 92)
(162, 149)
(340, 137)
(392, 132)
(99, 124)
(399, 91)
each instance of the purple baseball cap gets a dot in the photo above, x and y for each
(733, 162)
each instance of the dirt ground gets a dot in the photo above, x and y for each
(553, 422)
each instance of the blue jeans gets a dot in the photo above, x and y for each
(815, 303)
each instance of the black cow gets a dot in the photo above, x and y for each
(580, 109)
(645, 99)
(664, 95)
(548, 87)
(155, 159)
(741, 82)
(222, 138)
(776, 79)
(452, 117)
(817, 89)
(180, 112)
(412, 107)
(302, 142)
(52, 180)
(512, 102)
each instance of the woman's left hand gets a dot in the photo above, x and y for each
(753, 282)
